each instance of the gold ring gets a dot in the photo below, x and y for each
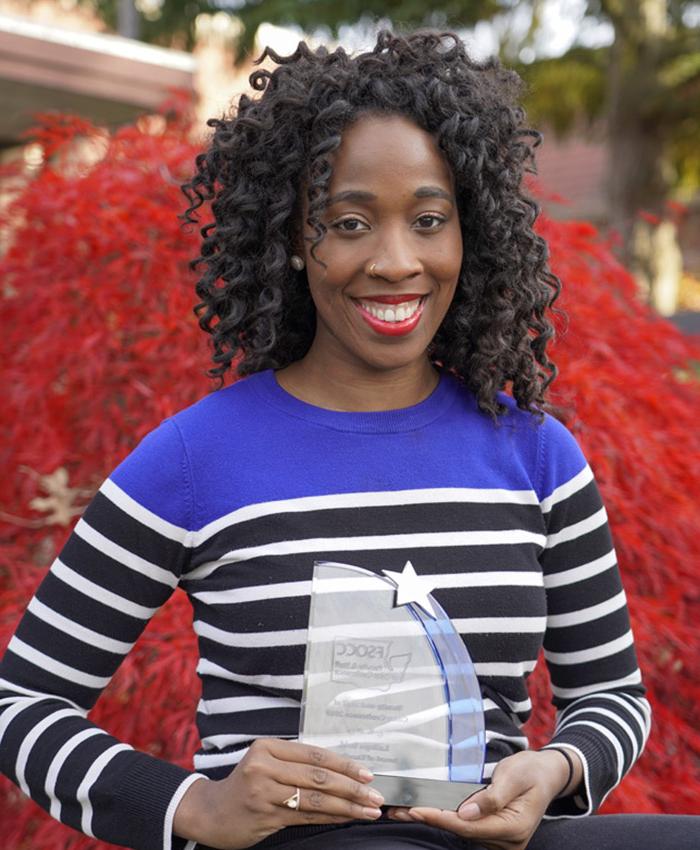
(293, 801)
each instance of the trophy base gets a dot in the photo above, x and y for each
(413, 791)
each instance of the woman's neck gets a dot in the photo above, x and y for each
(347, 389)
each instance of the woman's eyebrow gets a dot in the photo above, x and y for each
(359, 196)
(433, 192)
(356, 195)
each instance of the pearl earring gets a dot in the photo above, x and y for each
(296, 262)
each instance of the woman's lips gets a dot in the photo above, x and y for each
(394, 299)
(392, 328)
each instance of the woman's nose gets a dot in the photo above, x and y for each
(396, 259)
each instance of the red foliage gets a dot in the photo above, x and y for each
(100, 344)
(629, 391)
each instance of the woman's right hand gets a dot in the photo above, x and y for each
(248, 805)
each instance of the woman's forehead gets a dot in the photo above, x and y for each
(379, 149)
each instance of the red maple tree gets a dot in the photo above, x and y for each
(99, 344)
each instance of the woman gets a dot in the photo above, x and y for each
(373, 271)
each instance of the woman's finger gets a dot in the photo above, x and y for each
(315, 806)
(490, 827)
(316, 757)
(510, 782)
(398, 813)
(490, 800)
(321, 780)
(306, 788)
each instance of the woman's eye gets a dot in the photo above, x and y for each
(430, 222)
(349, 225)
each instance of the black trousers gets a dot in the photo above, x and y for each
(597, 832)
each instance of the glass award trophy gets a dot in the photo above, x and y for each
(389, 682)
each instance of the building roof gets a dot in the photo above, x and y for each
(106, 78)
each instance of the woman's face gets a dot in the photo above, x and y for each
(393, 249)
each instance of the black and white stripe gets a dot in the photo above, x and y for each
(513, 573)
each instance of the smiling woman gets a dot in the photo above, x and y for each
(399, 244)
(372, 272)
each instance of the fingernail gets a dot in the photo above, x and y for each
(400, 815)
(416, 816)
(376, 798)
(372, 814)
(469, 811)
(365, 774)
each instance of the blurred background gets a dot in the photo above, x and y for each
(103, 109)
(613, 84)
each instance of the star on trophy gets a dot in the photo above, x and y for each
(388, 681)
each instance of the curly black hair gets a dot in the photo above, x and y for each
(259, 311)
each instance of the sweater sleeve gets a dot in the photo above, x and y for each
(120, 564)
(602, 713)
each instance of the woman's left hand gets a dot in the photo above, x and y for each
(505, 815)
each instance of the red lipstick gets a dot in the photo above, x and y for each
(395, 299)
(392, 328)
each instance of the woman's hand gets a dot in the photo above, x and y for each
(248, 805)
(505, 815)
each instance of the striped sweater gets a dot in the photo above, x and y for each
(231, 501)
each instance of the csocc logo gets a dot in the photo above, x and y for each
(344, 648)
(367, 663)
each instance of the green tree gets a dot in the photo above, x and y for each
(646, 86)
(168, 23)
